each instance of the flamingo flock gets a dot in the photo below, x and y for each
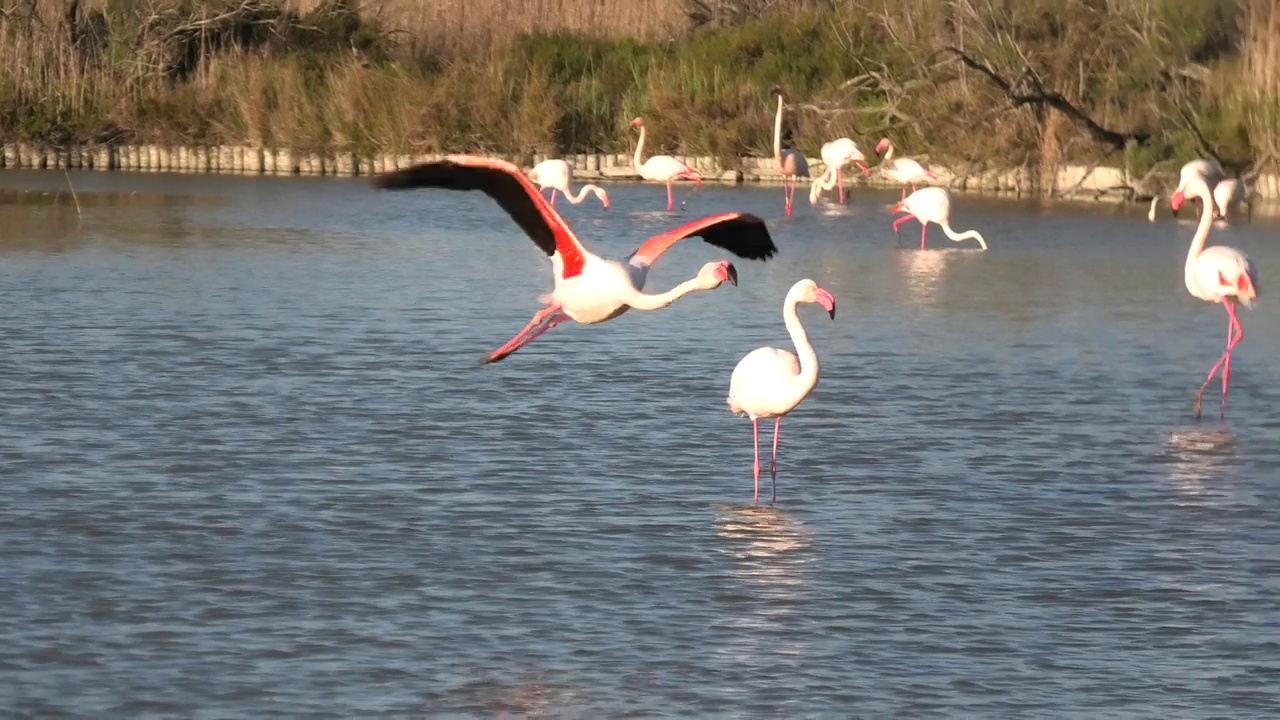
(769, 383)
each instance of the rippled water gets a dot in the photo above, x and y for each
(252, 466)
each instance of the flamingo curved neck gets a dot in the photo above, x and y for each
(639, 148)
(808, 377)
(777, 135)
(582, 194)
(640, 300)
(1202, 232)
(969, 235)
(888, 152)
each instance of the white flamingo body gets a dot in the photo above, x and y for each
(835, 155)
(1226, 194)
(903, 171)
(770, 382)
(587, 288)
(661, 168)
(933, 205)
(1215, 274)
(558, 175)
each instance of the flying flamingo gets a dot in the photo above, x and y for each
(835, 155)
(769, 383)
(932, 205)
(903, 171)
(791, 162)
(588, 288)
(558, 175)
(1216, 274)
(662, 168)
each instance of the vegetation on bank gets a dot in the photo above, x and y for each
(994, 82)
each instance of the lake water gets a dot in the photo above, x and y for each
(252, 467)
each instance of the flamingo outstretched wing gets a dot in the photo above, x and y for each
(742, 234)
(505, 183)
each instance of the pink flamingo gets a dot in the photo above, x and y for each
(662, 168)
(932, 205)
(1215, 274)
(588, 289)
(769, 383)
(835, 155)
(791, 162)
(558, 175)
(903, 171)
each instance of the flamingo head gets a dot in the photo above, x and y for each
(1176, 199)
(900, 207)
(713, 274)
(808, 291)
(882, 146)
(776, 90)
(638, 122)
(604, 198)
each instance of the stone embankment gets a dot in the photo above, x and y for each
(1075, 182)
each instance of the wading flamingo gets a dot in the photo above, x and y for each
(932, 205)
(1216, 274)
(903, 171)
(662, 168)
(588, 289)
(769, 383)
(1227, 193)
(558, 175)
(835, 155)
(791, 162)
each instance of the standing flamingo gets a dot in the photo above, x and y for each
(932, 205)
(588, 288)
(835, 155)
(1216, 274)
(769, 383)
(662, 168)
(903, 171)
(1229, 192)
(558, 175)
(791, 162)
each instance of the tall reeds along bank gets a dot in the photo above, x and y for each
(566, 76)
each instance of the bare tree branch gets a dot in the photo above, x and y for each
(1043, 96)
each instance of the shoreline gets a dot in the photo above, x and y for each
(1072, 182)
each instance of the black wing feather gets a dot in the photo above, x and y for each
(511, 192)
(745, 236)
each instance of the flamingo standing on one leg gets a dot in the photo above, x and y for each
(1216, 274)
(835, 155)
(588, 288)
(769, 383)
(662, 168)
(558, 175)
(791, 162)
(903, 171)
(932, 205)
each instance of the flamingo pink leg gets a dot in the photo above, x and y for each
(542, 321)
(669, 205)
(1234, 334)
(690, 175)
(553, 196)
(901, 220)
(904, 192)
(773, 465)
(755, 444)
(923, 228)
(786, 193)
(840, 183)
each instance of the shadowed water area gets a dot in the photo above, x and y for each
(252, 466)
